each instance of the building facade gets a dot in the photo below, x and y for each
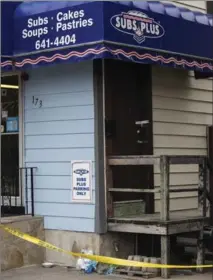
(61, 105)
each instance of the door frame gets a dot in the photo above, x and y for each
(144, 85)
(100, 155)
(20, 200)
(101, 193)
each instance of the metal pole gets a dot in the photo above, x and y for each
(32, 191)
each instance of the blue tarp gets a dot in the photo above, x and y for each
(145, 32)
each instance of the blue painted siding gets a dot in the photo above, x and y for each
(55, 182)
(58, 196)
(53, 168)
(68, 127)
(56, 155)
(60, 113)
(60, 141)
(60, 131)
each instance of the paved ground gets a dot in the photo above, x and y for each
(59, 273)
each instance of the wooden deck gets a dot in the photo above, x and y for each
(152, 224)
(165, 223)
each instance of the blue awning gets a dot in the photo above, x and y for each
(7, 13)
(49, 32)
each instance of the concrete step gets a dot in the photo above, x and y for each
(16, 252)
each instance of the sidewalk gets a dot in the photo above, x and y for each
(59, 273)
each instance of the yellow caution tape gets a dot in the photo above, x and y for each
(100, 259)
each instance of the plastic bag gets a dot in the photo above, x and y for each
(85, 264)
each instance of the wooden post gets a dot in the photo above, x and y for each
(205, 186)
(164, 188)
(210, 156)
(165, 255)
(109, 183)
(202, 185)
(202, 188)
(164, 214)
(200, 250)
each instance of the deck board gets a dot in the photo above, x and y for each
(152, 224)
(155, 218)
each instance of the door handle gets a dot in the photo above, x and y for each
(142, 123)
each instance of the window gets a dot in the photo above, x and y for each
(10, 192)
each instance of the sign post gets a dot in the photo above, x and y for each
(82, 181)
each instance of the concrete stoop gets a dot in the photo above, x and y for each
(111, 244)
(16, 252)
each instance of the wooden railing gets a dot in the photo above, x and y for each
(164, 163)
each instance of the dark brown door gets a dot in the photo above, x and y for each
(128, 100)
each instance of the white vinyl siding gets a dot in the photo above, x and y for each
(182, 110)
(193, 5)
